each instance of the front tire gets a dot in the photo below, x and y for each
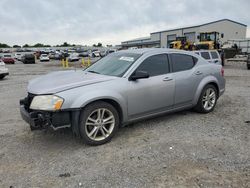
(99, 122)
(207, 100)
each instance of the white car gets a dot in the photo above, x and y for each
(44, 57)
(18, 56)
(3, 70)
(74, 57)
(95, 53)
(212, 56)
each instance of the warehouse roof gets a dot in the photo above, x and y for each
(201, 25)
(139, 39)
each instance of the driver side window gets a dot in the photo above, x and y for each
(155, 65)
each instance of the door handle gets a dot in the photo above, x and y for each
(167, 79)
(198, 73)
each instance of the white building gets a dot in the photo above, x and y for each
(229, 28)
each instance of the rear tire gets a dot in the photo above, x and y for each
(99, 121)
(207, 100)
(2, 77)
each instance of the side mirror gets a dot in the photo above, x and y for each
(222, 35)
(198, 37)
(138, 75)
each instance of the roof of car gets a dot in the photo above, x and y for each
(147, 50)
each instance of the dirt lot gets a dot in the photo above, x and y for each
(185, 149)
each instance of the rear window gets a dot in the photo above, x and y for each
(214, 55)
(182, 62)
(205, 55)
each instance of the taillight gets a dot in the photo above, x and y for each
(222, 71)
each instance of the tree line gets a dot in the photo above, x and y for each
(40, 45)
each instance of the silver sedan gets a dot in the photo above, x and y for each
(121, 88)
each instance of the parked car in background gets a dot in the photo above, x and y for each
(74, 57)
(84, 53)
(18, 56)
(8, 59)
(58, 56)
(106, 52)
(28, 59)
(6, 51)
(3, 70)
(52, 55)
(95, 53)
(121, 88)
(212, 56)
(44, 57)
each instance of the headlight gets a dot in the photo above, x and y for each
(46, 102)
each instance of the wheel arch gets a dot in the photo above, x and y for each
(110, 101)
(206, 81)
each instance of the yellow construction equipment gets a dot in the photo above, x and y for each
(209, 40)
(182, 43)
(83, 62)
(63, 63)
(67, 63)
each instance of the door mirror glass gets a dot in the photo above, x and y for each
(139, 75)
(222, 35)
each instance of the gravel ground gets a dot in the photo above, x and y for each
(184, 149)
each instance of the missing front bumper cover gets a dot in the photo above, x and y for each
(42, 120)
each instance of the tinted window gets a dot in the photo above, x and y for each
(214, 55)
(182, 62)
(155, 65)
(205, 55)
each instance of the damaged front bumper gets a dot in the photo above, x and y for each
(44, 119)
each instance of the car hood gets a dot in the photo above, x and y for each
(63, 80)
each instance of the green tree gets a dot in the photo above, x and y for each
(16, 46)
(2, 45)
(26, 46)
(99, 44)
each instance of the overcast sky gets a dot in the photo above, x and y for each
(107, 21)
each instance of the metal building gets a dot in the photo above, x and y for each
(229, 28)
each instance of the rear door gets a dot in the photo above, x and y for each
(187, 77)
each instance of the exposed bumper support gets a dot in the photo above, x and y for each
(42, 120)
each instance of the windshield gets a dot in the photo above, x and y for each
(208, 36)
(115, 64)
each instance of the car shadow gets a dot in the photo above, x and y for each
(65, 137)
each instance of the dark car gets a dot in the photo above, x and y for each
(84, 53)
(28, 59)
(8, 59)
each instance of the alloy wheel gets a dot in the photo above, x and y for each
(100, 124)
(209, 99)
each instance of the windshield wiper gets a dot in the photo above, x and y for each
(94, 72)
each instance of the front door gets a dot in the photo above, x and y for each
(154, 94)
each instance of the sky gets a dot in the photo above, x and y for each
(88, 22)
